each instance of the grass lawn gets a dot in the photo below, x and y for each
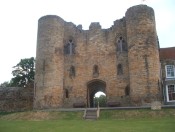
(110, 121)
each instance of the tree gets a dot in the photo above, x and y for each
(23, 73)
(5, 84)
(101, 100)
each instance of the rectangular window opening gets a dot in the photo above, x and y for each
(170, 93)
(170, 71)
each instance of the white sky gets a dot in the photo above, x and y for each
(19, 19)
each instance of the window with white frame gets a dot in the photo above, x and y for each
(170, 93)
(170, 71)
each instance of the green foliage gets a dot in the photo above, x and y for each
(23, 72)
(5, 84)
(101, 99)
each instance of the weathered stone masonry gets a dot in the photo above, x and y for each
(16, 99)
(73, 64)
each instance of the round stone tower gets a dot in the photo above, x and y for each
(48, 92)
(143, 55)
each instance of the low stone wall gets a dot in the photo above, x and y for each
(16, 99)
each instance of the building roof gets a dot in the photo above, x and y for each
(167, 53)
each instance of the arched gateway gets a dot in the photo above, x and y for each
(93, 87)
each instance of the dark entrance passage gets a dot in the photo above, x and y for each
(93, 87)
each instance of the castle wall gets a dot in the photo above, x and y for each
(143, 56)
(49, 63)
(125, 57)
(95, 46)
(16, 99)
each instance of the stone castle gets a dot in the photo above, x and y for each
(73, 64)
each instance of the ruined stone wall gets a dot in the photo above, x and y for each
(16, 99)
(56, 86)
(98, 47)
(143, 56)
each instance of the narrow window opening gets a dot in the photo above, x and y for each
(70, 40)
(67, 93)
(124, 46)
(69, 48)
(72, 71)
(121, 45)
(127, 91)
(95, 71)
(119, 69)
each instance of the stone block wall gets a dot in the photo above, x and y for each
(143, 53)
(49, 63)
(16, 99)
(95, 47)
(63, 75)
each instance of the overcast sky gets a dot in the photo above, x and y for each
(18, 23)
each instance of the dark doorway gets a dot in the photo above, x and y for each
(93, 87)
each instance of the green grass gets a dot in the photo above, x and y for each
(110, 121)
(134, 125)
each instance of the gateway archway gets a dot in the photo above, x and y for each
(93, 87)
